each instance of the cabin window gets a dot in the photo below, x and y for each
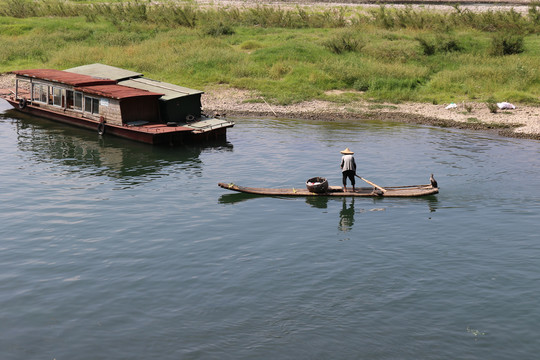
(40, 93)
(78, 101)
(88, 104)
(23, 87)
(73, 100)
(43, 93)
(56, 96)
(91, 105)
(35, 91)
(69, 99)
(95, 106)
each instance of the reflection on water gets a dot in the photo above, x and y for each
(233, 198)
(319, 202)
(347, 211)
(80, 151)
(432, 203)
(346, 215)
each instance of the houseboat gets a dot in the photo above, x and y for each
(114, 101)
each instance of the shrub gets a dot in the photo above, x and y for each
(449, 45)
(382, 17)
(492, 105)
(428, 47)
(438, 45)
(18, 8)
(344, 42)
(534, 13)
(218, 29)
(174, 15)
(250, 45)
(506, 45)
(361, 85)
(278, 70)
(395, 84)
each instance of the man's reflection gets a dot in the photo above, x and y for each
(346, 215)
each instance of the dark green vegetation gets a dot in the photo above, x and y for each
(288, 55)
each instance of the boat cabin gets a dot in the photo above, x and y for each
(178, 103)
(79, 95)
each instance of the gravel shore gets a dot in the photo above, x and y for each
(523, 122)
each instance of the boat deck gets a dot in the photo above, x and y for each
(154, 128)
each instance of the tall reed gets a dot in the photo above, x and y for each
(175, 14)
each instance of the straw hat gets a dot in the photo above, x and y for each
(347, 152)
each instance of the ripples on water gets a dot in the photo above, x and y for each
(115, 250)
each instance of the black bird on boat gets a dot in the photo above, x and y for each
(433, 181)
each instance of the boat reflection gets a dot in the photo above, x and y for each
(432, 203)
(237, 197)
(80, 151)
(319, 202)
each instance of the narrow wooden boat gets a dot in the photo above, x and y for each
(391, 191)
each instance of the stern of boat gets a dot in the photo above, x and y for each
(204, 125)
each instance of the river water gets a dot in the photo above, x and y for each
(114, 250)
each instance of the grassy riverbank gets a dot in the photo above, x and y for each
(289, 55)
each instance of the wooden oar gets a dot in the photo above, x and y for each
(372, 184)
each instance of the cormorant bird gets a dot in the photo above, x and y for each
(433, 181)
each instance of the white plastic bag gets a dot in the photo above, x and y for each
(505, 106)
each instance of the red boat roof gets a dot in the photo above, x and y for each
(116, 91)
(89, 84)
(63, 77)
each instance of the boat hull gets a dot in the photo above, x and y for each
(392, 191)
(150, 134)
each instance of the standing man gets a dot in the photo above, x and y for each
(348, 168)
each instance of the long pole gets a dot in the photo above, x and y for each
(269, 106)
(372, 184)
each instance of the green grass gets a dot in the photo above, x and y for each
(286, 56)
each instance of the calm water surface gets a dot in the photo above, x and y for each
(114, 250)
